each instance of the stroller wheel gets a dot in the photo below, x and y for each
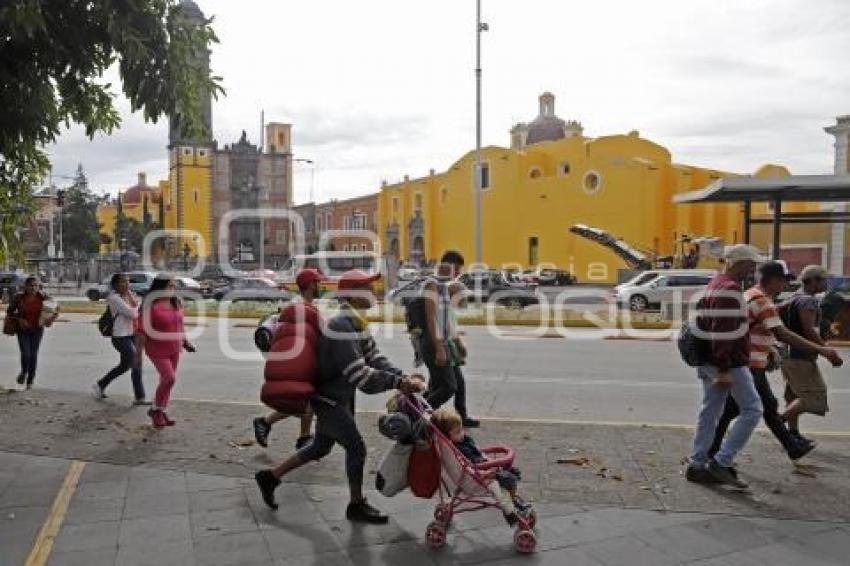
(525, 541)
(436, 535)
(443, 514)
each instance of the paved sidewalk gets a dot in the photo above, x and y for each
(127, 515)
(185, 495)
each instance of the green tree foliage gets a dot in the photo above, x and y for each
(53, 54)
(81, 231)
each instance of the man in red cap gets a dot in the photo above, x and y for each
(349, 360)
(308, 281)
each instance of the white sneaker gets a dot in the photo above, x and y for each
(97, 392)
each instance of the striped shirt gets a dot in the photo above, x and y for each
(764, 318)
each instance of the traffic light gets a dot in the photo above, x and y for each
(60, 197)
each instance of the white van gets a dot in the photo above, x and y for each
(651, 288)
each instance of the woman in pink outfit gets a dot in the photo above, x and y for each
(162, 336)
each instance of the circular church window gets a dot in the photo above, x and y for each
(592, 182)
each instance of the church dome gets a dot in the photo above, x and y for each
(545, 128)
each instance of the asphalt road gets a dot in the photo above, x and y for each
(574, 379)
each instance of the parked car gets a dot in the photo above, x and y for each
(555, 277)
(11, 282)
(651, 288)
(494, 286)
(530, 276)
(408, 272)
(188, 289)
(405, 289)
(252, 289)
(140, 283)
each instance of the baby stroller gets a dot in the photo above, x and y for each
(466, 487)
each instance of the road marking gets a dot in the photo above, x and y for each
(43, 546)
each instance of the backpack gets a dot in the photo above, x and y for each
(106, 323)
(292, 366)
(693, 349)
(415, 314)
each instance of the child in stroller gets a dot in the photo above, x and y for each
(450, 423)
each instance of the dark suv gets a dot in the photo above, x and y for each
(493, 286)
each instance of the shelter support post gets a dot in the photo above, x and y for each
(777, 227)
(748, 214)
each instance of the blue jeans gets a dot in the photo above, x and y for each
(126, 347)
(744, 393)
(29, 340)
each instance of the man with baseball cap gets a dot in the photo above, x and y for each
(725, 328)
(308, 281)
(805, 389)
(765, 327)
(349, 360)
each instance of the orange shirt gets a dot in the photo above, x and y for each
(763, 317)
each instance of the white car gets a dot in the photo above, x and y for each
(408, 273)
(650, 289)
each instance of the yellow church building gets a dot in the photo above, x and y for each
(551, 177)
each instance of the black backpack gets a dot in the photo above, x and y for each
(693, 349)
(105, 323)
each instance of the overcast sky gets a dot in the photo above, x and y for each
(381, 88)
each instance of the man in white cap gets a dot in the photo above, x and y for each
(725, 328)
(805, 390)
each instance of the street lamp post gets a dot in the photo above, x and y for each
(479, 27)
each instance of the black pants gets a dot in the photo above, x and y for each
(29, 340)
(771, 415)
(336, 424)
(445, 382)
(126, 347)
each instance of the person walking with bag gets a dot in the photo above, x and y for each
(308, 281)
(349, 360)
(440, 354)
(805, 390)
(123, 307)
(26, 317)
(765, 328)
(724, 326)
(162, 337)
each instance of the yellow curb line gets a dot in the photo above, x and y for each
(623, 424)
(40, 552)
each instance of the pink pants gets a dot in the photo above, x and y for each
(167, 369)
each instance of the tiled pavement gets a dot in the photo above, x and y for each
(123, 515)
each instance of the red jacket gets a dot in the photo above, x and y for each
(724, 316)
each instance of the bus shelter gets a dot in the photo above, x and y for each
(777, 190)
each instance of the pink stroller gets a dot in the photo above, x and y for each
(465, 486)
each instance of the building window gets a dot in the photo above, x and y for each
(195, 195)
(535, 173)
(187, 152)
(592, 182)
(396, 207)
(417, 202)
(485, 175)
(328, 221)
(564, 168)
(202, 153)
(280, 237)
(533, 251)
(444, 196)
